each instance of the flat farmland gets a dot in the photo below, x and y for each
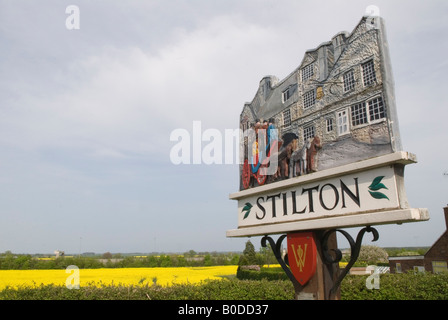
(116, 276)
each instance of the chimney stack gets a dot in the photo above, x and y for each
(445, 210)
(339, 44)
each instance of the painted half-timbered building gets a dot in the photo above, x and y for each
(342, 93)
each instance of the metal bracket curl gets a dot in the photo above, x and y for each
(276, 249)
(355, 248)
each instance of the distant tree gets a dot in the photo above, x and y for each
(222, 260)
(181, 261)
(7, 261)
(107, 255)
(234, 259)
(207, 260)
(191, 253)
(165, 261)
(152, 261)
(249, 250)
(248, 257)
(267, 255)
(22, 262)
(372, 255)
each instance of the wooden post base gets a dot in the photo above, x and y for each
(320, 285)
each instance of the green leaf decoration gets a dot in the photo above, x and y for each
(247, 207)
(378, 195)
(378, 187)
(376, 184)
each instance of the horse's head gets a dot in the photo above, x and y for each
(307, 143)
(295, 144)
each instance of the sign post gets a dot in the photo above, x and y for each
(306, 265)
(302, 251)
(311, 268)
(320, 152)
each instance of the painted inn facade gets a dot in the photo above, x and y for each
(342, 92)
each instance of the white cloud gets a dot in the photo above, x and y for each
(131, 99)
(87, 116)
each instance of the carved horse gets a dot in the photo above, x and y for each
(284, 158)
(298, 160)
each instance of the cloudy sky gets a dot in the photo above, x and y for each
(86, 114)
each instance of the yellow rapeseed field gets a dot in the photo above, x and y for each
(123, 276)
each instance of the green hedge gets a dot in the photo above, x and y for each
(264, 273)
(404, 286)
(226, 289)
(410, 286)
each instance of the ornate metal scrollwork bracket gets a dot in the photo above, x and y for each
(355, 248)
(276, 249)
(329, 256)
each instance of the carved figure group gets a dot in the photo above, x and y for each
(304, 160)
(298, 160)
(295, 161)
(292, 161)
(289, 144)
(261, 153)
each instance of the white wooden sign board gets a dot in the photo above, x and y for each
(368, 192)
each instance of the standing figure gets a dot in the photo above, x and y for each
(311, 155)
(257, 126)
(272, 131)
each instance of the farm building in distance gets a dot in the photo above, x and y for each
(435, 260)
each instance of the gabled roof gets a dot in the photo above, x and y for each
(262, 106)
(437, 244)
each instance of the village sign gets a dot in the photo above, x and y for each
(321, 151)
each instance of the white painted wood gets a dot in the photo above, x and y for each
(367, 219)
(334, 198)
